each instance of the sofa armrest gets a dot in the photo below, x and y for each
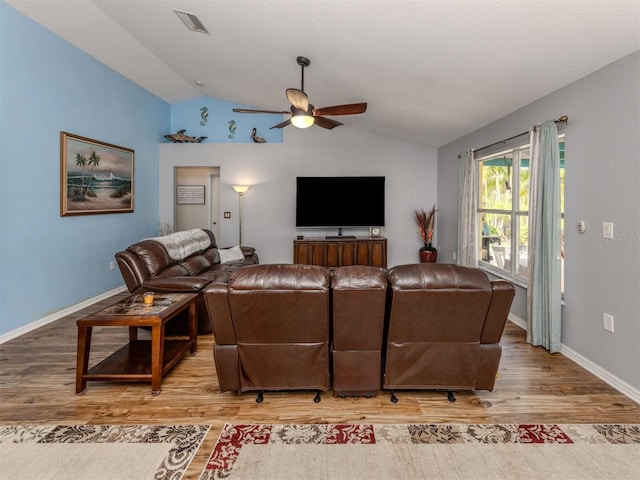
(216, 298)
(176, 284)
(132, 269)
(501, 298)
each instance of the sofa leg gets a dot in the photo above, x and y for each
(317, 398)
(451, 396)
(260, 397)
(394, 399)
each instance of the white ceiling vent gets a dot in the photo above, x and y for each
(192, 22)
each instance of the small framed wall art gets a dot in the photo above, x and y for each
(190, 194)
(95, 177)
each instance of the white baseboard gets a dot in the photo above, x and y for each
(59, 314)
(518, 321)
(607, 377)
(604, 375)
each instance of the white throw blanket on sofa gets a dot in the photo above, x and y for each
(180, 245)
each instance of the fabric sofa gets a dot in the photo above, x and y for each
(181, 262)
(444, 325)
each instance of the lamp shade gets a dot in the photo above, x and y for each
(241, 188)
(302, 118)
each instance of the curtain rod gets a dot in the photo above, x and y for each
(564, 119)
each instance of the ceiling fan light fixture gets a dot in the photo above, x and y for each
(303, 114)
(301, 118)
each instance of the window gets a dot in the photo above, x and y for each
(503, 211)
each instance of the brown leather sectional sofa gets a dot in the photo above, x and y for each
(180, 262)
(423, 326)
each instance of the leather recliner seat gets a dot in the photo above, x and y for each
(444, 327)
(271, 328)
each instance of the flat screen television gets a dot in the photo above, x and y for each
(340, 201)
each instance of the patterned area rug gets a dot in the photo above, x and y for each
(100, 452)
(442, 451)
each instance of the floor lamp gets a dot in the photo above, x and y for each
(240, 189)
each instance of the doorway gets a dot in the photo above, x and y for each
(197, 199)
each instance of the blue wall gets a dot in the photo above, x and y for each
(48, 262)
(187, 115)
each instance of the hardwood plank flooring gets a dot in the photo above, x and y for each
(37, 385)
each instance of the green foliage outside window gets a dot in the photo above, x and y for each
(503, 207)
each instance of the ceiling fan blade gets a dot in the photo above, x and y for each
(349, 109)
(327, 123)
(298, 98)
(245, 110)
(282, 125)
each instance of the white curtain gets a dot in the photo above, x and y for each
(544, 292)
(468, 208)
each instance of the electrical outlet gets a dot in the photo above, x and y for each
(112, 265)
(607, 322)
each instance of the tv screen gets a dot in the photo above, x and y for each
(340, 202)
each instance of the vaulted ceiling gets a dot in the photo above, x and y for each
(430, 70)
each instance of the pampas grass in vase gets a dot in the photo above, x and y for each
(426, 222)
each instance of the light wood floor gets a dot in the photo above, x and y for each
(37, 385)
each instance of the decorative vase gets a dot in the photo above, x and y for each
(428, 254)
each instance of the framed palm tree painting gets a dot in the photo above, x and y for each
(95, 177)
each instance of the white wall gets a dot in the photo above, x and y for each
(602, 185)
(268, 221)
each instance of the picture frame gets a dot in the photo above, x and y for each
(95, 177)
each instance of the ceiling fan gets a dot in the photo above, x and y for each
(303, 114)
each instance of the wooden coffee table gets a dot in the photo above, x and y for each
(139, 360)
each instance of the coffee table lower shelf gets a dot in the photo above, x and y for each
(133, 361)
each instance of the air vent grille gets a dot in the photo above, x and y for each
(192, 22)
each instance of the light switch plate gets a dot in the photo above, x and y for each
(607, 230)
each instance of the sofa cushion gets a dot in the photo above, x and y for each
(233, 254)
(197, 263)
(216, 276)
(176, 270)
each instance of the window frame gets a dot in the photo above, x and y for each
(515, 151)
